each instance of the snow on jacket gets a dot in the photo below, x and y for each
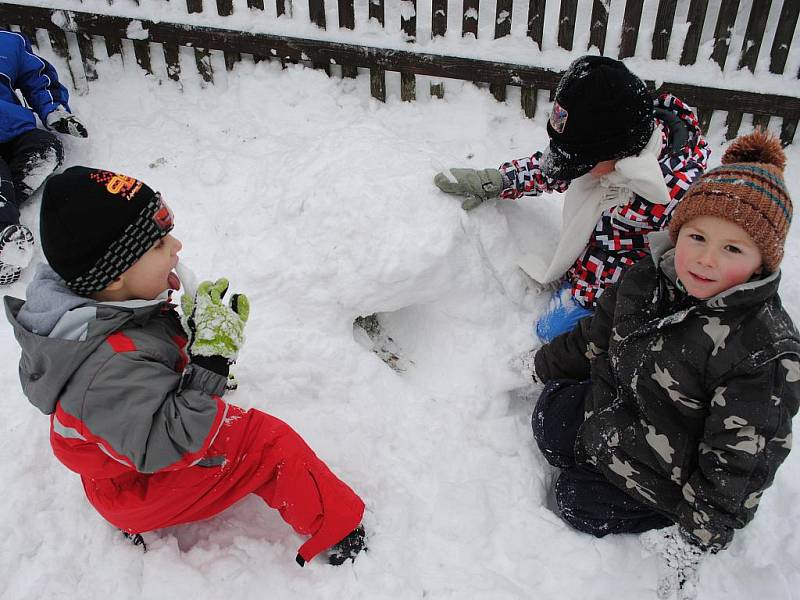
(691, 401)
(616, 212)
(36, 78)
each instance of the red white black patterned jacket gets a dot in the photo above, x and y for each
(620, 236)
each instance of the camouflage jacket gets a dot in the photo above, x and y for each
(691, 401)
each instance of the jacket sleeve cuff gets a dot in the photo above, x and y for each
(195, 377)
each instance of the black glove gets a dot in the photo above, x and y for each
(67, 123)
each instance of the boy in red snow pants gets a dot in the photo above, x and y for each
(136, 407)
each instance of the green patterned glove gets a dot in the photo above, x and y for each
(214, 328)
(477, 186)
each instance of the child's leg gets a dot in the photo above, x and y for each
(557, 417)
(252, 453)
(590, 503)
(303, 489)
(561, 316)
(9, 211)
(31, 158)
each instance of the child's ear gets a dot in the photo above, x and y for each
(115, 285)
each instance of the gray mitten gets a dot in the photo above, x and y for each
(681, 557)
(477, 186)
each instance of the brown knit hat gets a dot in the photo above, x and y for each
(748, 190)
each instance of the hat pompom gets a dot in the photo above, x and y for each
(757, 147)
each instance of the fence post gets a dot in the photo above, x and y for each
(86, 47)
(347, 20)
(535, 32)
(599, 26)
(780, 51)
(408, 24)
(630, 28)
(469, 18)
(258, 5)
(751, 46)
(58, 41)
(316, 14)
(665, 17)
(377, 76)
(722, 42)
(696, 18)
(438, 28)
(502, 28)
(202, 57)
(114, 44)
(566, 23)
(225, 9)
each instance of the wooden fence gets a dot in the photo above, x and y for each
(64, 26)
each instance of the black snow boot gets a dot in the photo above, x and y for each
(136, 539)
(349, 547)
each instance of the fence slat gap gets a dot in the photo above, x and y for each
(599, 25)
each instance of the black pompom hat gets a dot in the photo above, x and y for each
(96, 224)
(602, 111)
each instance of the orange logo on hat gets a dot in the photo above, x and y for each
(117, 184)
(124, 185)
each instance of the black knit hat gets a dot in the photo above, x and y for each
(602, 111)
(96, 224)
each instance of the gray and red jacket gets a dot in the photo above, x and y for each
(118, 389)
(620, 236)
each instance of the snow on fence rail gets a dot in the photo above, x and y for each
(148, 24)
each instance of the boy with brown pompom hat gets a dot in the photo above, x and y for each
(670, 408)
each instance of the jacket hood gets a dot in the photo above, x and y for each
(48, 299)
(47, 363)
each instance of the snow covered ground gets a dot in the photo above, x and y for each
(318, 202)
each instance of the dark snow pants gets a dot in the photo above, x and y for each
(586, 499)
(25, 162)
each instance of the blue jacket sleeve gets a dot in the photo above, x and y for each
(38, 81)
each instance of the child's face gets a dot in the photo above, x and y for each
(604, 167)
(713, 255)
(152, 274)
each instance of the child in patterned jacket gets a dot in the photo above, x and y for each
(671, 407)
(135, 405)
(624, 161)
(27, 154)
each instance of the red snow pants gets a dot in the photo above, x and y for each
(257, 454)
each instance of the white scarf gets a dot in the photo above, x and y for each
(589, 196)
